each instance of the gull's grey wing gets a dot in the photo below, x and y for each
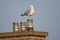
(27, 12)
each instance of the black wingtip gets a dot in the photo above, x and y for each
(22, 15)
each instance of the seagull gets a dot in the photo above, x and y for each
(29, 12)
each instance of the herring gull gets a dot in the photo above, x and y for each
(29, 12)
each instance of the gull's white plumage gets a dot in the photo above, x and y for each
(29, 12)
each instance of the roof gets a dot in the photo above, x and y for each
(9, 34)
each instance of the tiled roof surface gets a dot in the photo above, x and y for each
(37, 33)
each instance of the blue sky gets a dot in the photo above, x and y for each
(46, 17)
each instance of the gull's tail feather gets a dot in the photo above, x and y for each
(22, 15)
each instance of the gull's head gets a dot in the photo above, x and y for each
(31, 6)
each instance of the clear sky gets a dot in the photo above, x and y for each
(46, 17)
